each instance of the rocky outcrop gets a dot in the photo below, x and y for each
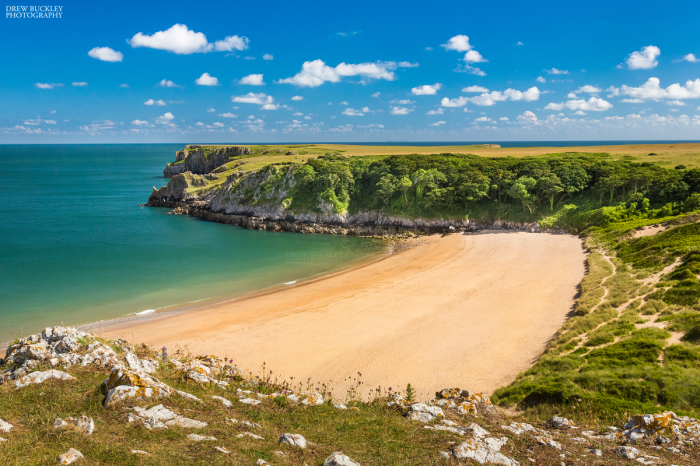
(202, 159)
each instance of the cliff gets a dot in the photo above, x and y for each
(202, 159)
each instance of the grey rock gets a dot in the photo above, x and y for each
(339, 459)
(294, 440)
(71, 456)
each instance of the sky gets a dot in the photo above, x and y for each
(361, 71)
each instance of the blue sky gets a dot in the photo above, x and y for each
(351, 71)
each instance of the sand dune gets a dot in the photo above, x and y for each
(468, 311)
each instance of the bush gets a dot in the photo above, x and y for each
(682, 355)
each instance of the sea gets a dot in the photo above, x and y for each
(76, 247)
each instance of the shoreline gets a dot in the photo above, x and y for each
(430, 314)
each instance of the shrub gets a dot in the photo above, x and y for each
(682, 355)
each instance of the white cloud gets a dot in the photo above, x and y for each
(315, 73)
(473, 56)
(376, 94)
(401, 110)
(373, 125)
(503, 118)
(614, 118)
(556, 71)
(139, 122)
(475, 89)
(165, 119)
(613, 91)
(483, 119)
(50, 122)
(199, 123)
(458, 43)
(528, 117)
(211, 110)
(439, 111)
(53, 111)
(270, 106)
(167, 83)
(632, 116)
(218, 124)
(490, 98)
(180, 40)
(297, 97)
(80, 84)
(644, 59)
(652, 90)
(426, 89)
(594, 104)
(633, 101)
(588, 89)
(540, 79)
(160, 103)
(689, 58)
(408, 64)
(106, 54)
(267, 56)
(251, 98)
(231, 43)
(252, 80)
(580, 112)
(344, 103)
(228, 115)
(48, 85)
(125, 86)
(438, 123)
(677, 103)
(352, 112)
(207, 80)
(519, 43)
(403, 101)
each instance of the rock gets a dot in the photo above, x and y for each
(159, 417)
(560, 422)
(250, 424)
(5, 426)
(136, 364)
(595, 451)
(248, 434)
(139, 452)
(338, 459)
(71, 456)
(294, 398)
(250, 401)
(340, 406)
(262, 462)
(423, 413)
(484, 450)
(314, 399)
(223, 400)
(188, 396)
(626, 452)
(40, 377)
(3, 439)
(124, 384)
(294, 440)
(200, 438)
(222, 450)
(83, 424)
(185, 422)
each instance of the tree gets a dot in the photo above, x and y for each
(386, 187)
(550, 185)
(405, 184)
(521, 191)
(573, 179)
(474, 185)
(428, 191)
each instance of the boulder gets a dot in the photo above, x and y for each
(83, 424)
(248, 434)
(160, 417)
(560, 422)
(223, 400)
(294, 440)
(40, 377)
(423, 413)
(222, 450)
(136, 364)
(250, 401)
(200, 438)
(339, 459)
(313, 399)
(124, 384)
(71, 456)
(5, 426)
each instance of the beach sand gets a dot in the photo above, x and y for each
(468, 311)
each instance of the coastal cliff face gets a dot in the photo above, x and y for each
(201, 160)
(264, 199)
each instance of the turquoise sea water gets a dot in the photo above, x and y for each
(76, 247)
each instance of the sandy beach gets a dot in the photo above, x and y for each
(468, 311)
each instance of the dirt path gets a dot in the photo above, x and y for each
(468, 311)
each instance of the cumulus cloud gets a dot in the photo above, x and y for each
(588, 89)
(218, 124)
(180, 40)
(633, 101)
(439, 111)
(344, 103)
(139, 122)
(231, 43)
(473, 56)
(475, 89)
(644, 59)
(376, 94)
(426, 89)
(438, 123)
(482, 119)
(228, 115)
(593, 104)
(80, 84)
(165, 119)
(207, 80)
(689, 58)
(528, 117)
(252, 80)
(490, 98)
(403, 101)
(652, 90)
(458, 43)
(48, 85)
(265, 101)
(297, 97)
(401, 110)
(50, 122)
(267, 56)
(408, 64)
(540, 79)
(160, 102)
(352, 112)
(106, 54)
(555, 71)
(212, 110)
(125, 86)
(614, 118)
(315, 73)
(677, 103)
(167, 83)
(503, 118)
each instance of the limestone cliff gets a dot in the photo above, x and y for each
(202, 159)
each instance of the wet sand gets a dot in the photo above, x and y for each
(468, 311)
